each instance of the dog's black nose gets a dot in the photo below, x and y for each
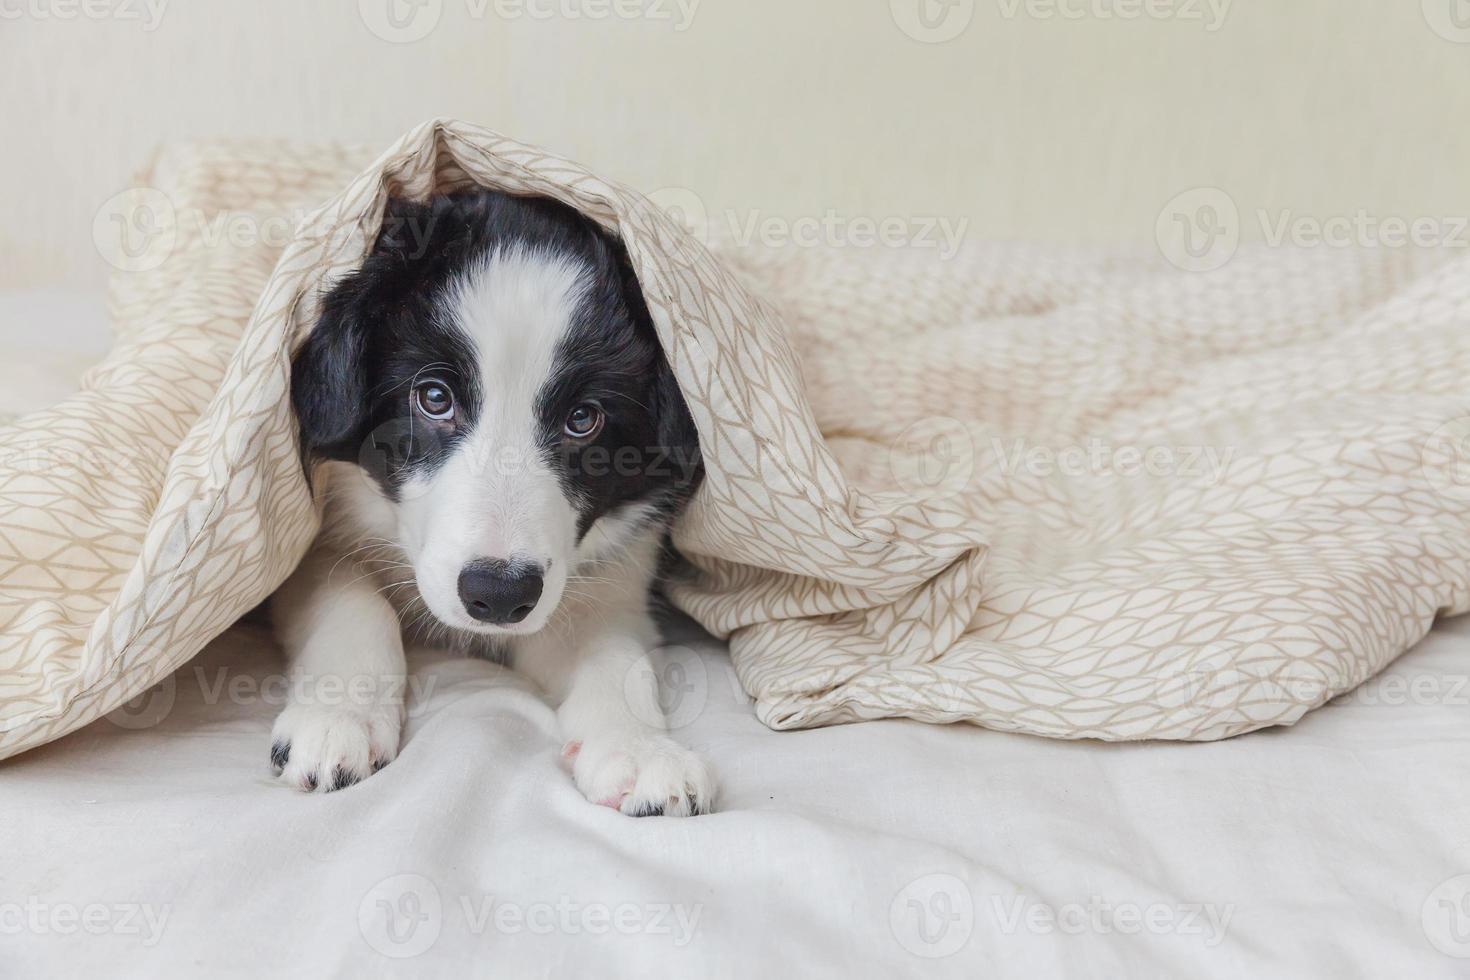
(498, 592)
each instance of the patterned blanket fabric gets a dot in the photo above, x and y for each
(1067, 492)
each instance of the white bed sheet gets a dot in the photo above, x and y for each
(155, 844)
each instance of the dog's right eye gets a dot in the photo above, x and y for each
(434, 400)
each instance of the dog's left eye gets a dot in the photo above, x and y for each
(435, 400)
(584, 422)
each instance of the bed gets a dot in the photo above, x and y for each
(154, 842)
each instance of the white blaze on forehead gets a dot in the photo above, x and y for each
(496, 497)
(516, 308)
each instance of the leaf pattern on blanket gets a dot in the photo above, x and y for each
(1070, 492)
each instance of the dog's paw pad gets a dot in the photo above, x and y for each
(332, 747)
(643, 776)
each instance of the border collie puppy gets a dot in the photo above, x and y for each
(502, 448)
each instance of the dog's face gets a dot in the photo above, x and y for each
(493, 369)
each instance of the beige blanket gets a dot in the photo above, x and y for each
(1077, 494)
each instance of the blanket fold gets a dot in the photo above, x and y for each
(1070, 492)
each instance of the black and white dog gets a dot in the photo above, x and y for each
(503, 447)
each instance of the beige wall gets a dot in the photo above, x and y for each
(1073, 125)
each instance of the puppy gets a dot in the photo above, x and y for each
(503, 447)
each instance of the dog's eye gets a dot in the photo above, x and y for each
(435, 400)
(584, 422)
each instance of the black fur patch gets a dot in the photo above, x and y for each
(648, 450)
(385, 328)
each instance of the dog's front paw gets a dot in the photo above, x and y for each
(641, 775)
(320, 747)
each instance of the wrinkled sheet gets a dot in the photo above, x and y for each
(855, 850)
(1338, 847)
(1320, 845)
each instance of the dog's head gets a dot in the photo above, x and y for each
(493, 369)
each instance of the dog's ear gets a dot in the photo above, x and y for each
(329, 374)
(408, 228)
(329, 379)
(677, 435)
